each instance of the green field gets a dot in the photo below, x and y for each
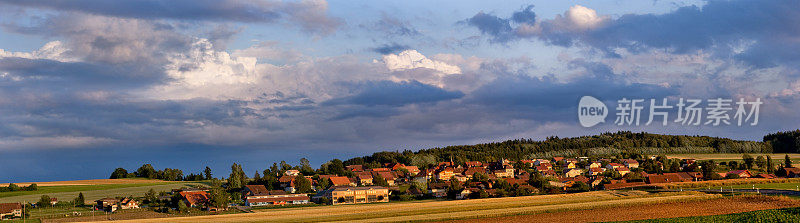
(92, 192)
(774, 215)
(777, 186)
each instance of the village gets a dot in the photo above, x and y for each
(445, 180)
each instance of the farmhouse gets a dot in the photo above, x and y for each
(741, 173)
(631, 163)
(194, 198)
(107, 204)
(355, 195)
(340, 181)
(792, 172)
(364, 178)
(128, 203)
(10, 209)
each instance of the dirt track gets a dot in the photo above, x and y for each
(652, 211)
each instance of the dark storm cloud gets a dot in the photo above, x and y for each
(310, 15)
(499, 28)
(388, 93)
(759, 33)
(553, 100)
(390, 48)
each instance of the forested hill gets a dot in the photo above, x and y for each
(619, 143)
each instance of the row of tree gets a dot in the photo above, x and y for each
(13, 187)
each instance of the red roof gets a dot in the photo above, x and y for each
(257, 189)
(9, 207)
(286, 179)
(665, 178)
(195, 197)
(340, 181)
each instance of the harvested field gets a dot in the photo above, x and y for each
(93, 192)
(653, 211)
(90, 182)
(444, 210)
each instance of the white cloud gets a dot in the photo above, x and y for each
(410, 60)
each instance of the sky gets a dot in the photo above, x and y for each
(87, 86)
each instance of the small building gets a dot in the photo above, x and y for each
(356, 195)
(792, 172)
(595, 171)
(364, 178)
(355, 168)
(107, 204)
(573, 172)
(251, 190)
(623, 170)
(9, 210)
(340, 181)
(631, 163)
(445, 174)
(741, 173)
(128, 203)
(594, 165)
(195, 198)
(275, 198)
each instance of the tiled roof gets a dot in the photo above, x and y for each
(9, 207)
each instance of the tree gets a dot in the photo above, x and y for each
(380, 181)
(579, 187)
(237, 177)
(44, 201)
(219, 198)
(733, 165)
(709, 169)
(787, 162)
(13, 187)
(32, 187)
(301, 184)
(674, 166)
(748, 161)
(80, 200)
(207, 173)
(256, 177)
(182, 207)
(322, 183)
(770, 165)
(146, 171)
(119, 173)
(761, 162)
(150, 196)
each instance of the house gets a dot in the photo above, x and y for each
(614, 166)
(340, 181)
(464, 194)
(504, 173)
(379, 170)
(276, 197)
(10, 210)
(593, 165)
(438, 189)
(596, 182)
(792, 172)
(364, 178)
(690, 176)
(291, 173)
(390, 177)
(595, 171)
(107, 204)
(546, 165)
(355, 168)
(631, 163)
(445, 174)
(53, 201)
(623, 170)
(558, 158)
(664, 178)
(573, 172)
(472, 170)
(128, 203)
(286, 181)
(460, 177)
(413, 170)
(473, 163)
(741, 173)
(356, 195)
(548, 173)
(766, 176)
(194, 198)
(251, 190)
(538, 162)
(569, 165)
